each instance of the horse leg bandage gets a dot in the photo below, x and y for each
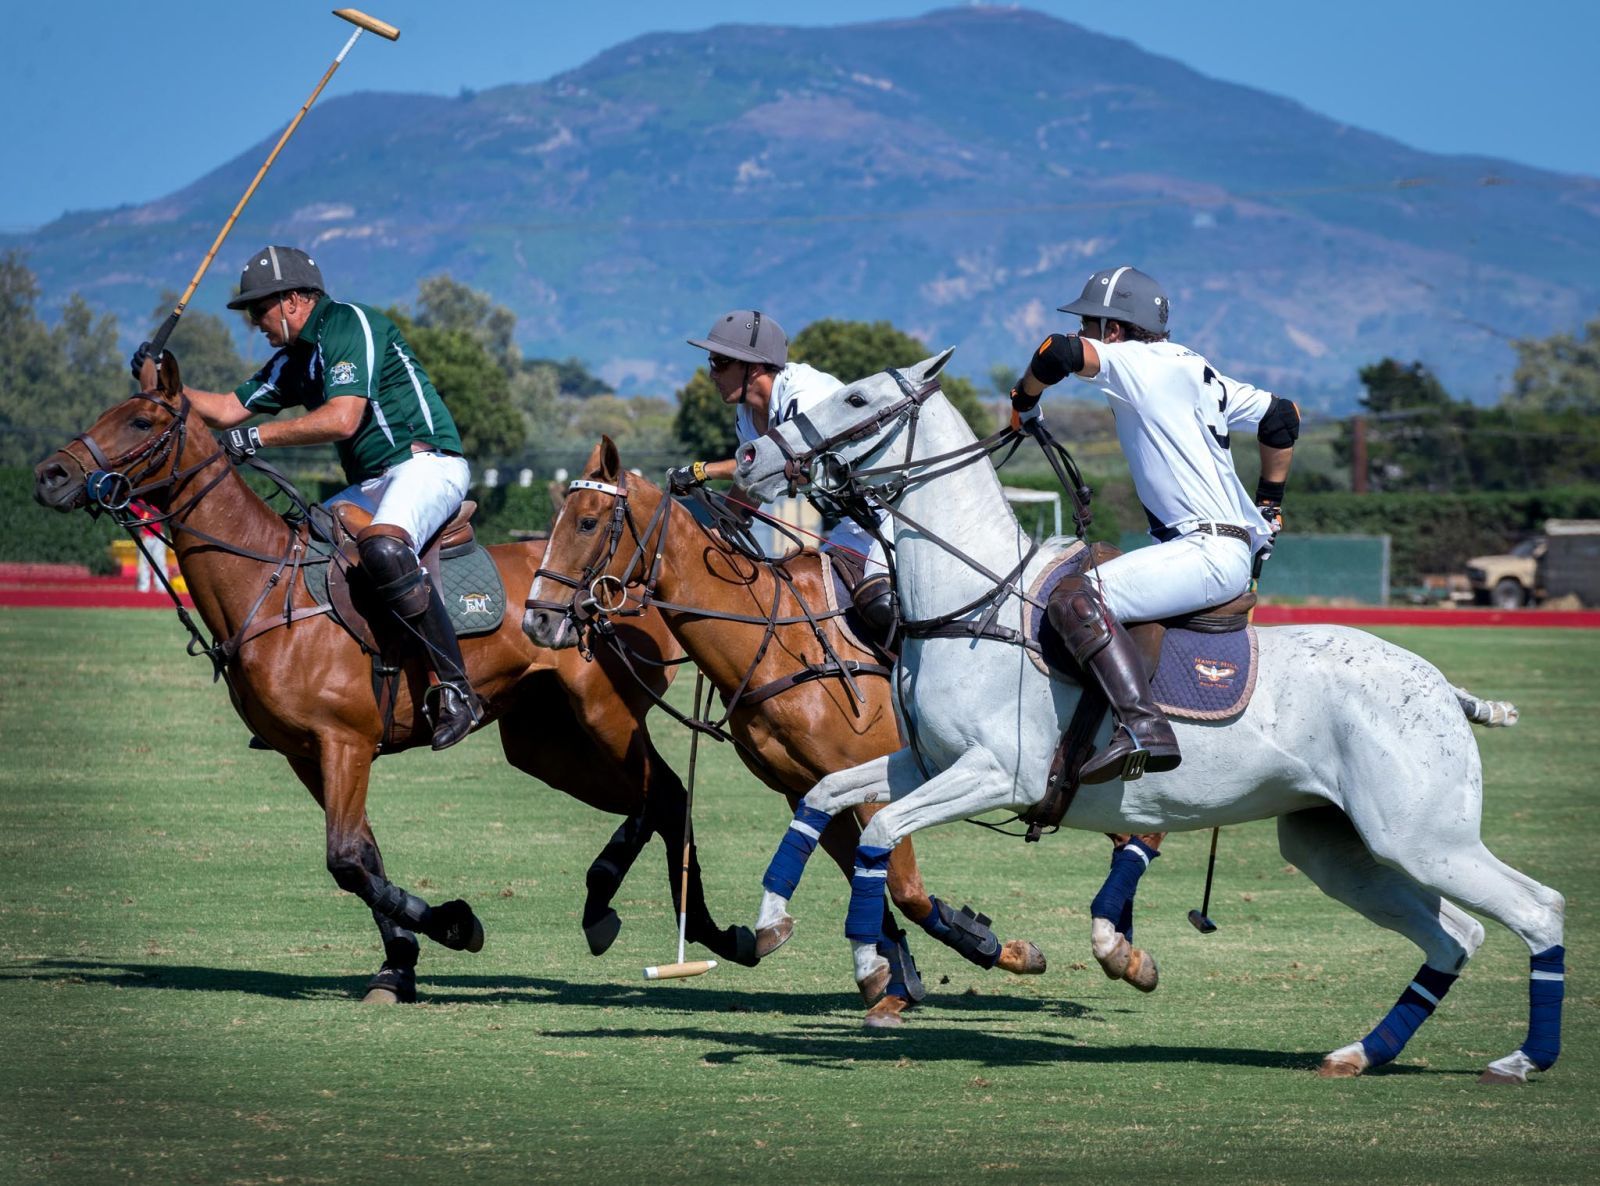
(904, 980)
(864, 922)
(794, 850)
(1414, 1007)
(393, 902)
(964, 931)
(1114, 902)
(1547, 985)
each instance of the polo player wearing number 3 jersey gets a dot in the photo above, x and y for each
(1174, 412)
(363, 390)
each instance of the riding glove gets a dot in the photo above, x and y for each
(684, 478)
(140, 356)
(239, 443)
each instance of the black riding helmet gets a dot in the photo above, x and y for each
(273, 270)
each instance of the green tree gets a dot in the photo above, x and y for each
(204, 347)
(851, 350)
(1557, 374)
(54, 382)
(704, 424)
(1414, 430)
(445, 303)
(573, 378)
(476, 388)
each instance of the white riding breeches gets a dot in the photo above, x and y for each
(1178, 577)
(419, 494)
(848, 536)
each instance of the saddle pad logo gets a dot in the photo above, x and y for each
(476, 603)
(342, 374)
(1215, 673)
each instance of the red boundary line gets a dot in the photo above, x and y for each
(1353, 615)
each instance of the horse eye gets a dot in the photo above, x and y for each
(141, 423)
(587, 524)
(856, 400)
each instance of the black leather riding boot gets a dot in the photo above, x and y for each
(1143, 740)
(454, 705)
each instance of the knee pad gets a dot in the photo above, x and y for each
(874, 600)
(1079, 616)
(392, 568)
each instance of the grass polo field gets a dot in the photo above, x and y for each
(179, 977)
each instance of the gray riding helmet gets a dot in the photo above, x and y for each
(749, 336)
(1123, 294)
(273, 270)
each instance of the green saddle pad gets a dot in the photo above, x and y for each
(470, 588)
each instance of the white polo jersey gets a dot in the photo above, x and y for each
(1174, 412)
(794, 389)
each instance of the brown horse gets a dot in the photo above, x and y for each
(753, 628)
(305, 686)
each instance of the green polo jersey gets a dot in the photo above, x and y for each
(350, 349)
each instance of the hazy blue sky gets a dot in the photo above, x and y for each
(104, 102)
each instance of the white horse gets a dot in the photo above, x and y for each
(1360, 749)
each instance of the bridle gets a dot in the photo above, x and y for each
(110, 488)
(599, 595)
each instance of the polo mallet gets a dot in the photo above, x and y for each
(682, 969)
(362, 22)
(1201, 919)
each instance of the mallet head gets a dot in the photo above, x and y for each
(1201, 923)
(679, 971)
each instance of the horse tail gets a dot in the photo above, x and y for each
(1488, 713)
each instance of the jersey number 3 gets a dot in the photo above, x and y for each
(1216, 419)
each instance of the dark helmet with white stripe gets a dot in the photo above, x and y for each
(1123, 294)
(273, 270)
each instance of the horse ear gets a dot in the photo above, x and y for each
(929, 367)
(604, 462)
(168, 381)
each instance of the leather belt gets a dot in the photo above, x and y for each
(1227, 529)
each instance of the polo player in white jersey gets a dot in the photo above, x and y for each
(1174, 412)
(747, 354)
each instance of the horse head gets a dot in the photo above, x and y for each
(824, 444)
(134, 450)
(576, 576)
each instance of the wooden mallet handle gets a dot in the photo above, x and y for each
(370, 23)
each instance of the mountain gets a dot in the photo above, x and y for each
(959, 174)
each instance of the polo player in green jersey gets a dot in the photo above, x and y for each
(364, 390)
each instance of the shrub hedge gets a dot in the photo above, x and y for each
(1428, 532)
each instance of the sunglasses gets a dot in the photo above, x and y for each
(719, 362)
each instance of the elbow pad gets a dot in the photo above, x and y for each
(1058, 356)
(1280, 427)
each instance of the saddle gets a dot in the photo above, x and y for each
(1201, 666)
(456, 539)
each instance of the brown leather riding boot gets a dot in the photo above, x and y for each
(1143, 739)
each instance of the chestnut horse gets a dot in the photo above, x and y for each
(752, 627)
(305, 686)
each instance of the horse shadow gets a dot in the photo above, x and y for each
(942, 1029)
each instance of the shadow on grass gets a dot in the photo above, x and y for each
(942, 1029)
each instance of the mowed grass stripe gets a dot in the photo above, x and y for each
(178, 975)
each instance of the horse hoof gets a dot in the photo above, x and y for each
(1338, 1068)
(392, 986)
(1115, 962)
(1022, 958)
(886, 1013)
(456, 927)
(1512, 1069)
(875, 983)
(1141, 971)
(602, 933)
(769, 939)
(743, 947)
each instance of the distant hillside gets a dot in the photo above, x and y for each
(959, 174)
